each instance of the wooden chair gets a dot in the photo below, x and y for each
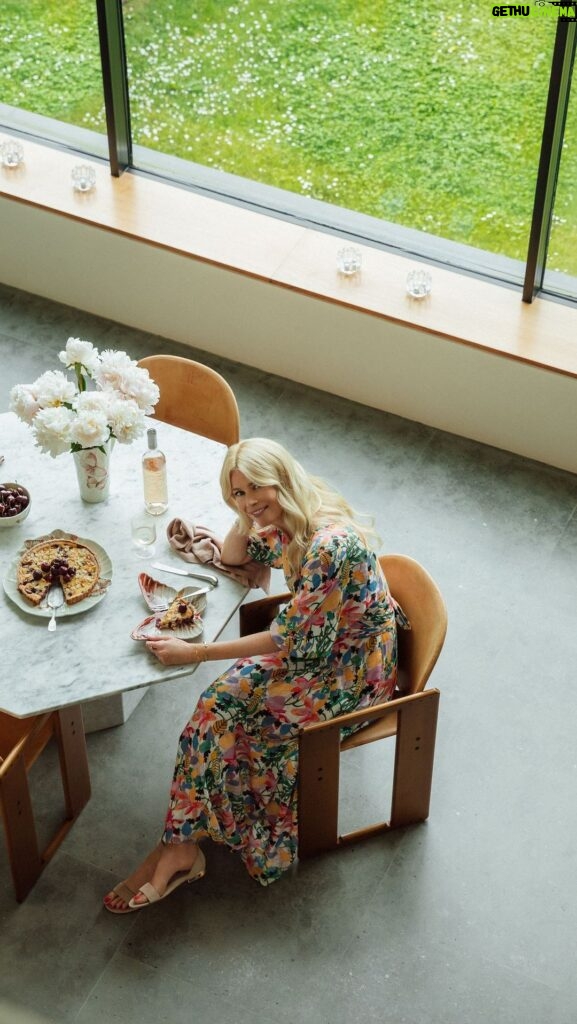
(411, 717)
(194, 397)
(22, 740)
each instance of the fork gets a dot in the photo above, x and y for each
(54, 600)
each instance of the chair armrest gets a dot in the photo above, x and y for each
(256, 616)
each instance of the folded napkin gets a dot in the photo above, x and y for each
(197, 543)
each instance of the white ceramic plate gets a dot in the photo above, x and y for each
(10, 580)
(148, 630)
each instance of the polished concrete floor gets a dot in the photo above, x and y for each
(467, 919)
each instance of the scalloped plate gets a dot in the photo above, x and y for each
(159, 595)
(149, 630)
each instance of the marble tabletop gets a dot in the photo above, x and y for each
(91, 654)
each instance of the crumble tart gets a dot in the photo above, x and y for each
(67, 562)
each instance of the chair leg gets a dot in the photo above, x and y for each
(26, 860)
(414, 756)
(319, 763)
(318, 790)
(20, 830)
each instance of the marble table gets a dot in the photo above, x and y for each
(91, 659)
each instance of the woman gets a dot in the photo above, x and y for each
(332, 649)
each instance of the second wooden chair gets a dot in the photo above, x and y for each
(194, 397)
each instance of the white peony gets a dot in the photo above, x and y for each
(111, 371)
(126, 420)
(89, 428)
(142, 389)
(52, 428)
(64, 416)
(95, 400)
(53, 388)
(79, 351)
(23, 402)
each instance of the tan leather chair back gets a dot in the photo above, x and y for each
(423, 604)
(194, 397)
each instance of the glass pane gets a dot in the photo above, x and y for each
(50, 60)
(561, 273)
(428, 115)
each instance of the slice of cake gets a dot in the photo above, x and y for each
(180, 612)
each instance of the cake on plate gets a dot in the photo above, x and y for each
(67, 562)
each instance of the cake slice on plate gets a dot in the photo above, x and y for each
(179, 613)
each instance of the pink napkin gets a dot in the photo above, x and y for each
(198, 544)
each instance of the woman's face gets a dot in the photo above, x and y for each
(259, 503)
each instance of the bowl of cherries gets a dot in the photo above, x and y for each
(14, 504)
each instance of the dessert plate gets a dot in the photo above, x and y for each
(10, 580)
(159, 595)
(149, 630)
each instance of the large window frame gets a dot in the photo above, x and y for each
(528, 276)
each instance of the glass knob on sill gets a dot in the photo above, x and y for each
(419, 283)
(12, 153)
(349, 260)
(83, 178)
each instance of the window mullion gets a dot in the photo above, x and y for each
(550, 159)
(115, 84)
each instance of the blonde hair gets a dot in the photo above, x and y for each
(307, 501)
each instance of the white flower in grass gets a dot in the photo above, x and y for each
(23, 402)
(52, 429)
(89, 428)
(53, 388)
(79, 351)
(126, 420)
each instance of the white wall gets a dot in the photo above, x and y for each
(402, 370)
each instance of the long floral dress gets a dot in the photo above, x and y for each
(236, 767)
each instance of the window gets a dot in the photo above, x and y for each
(50, 64)
(413, 126)
(428, 116)
(561, 272)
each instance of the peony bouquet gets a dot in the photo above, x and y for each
(108, 400)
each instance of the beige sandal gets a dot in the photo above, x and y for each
(197, 871)
(124, 892)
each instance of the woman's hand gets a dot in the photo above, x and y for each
(176, 652)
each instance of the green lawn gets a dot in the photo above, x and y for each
(428, 115)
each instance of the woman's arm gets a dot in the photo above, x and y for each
(234, 546)
(179, 652)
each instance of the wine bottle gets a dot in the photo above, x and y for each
(154, 477)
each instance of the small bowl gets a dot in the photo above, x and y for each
(15, 519)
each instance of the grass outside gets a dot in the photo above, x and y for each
(428, 115)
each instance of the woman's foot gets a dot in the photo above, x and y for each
(117, 899)
(176, 861)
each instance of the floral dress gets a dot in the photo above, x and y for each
(236, 768)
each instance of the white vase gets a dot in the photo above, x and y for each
(93, 472)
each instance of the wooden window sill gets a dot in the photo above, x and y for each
(463, 309)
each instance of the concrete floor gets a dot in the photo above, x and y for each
(467, 919)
